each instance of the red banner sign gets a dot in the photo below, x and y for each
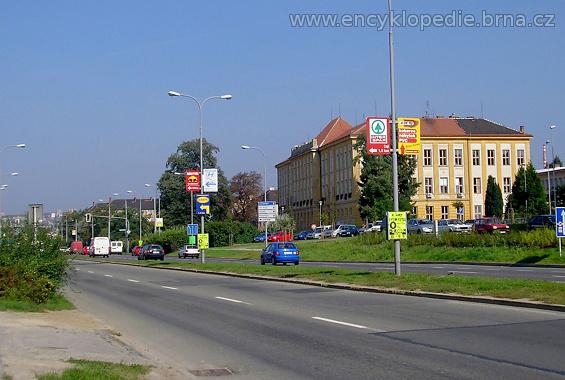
(192, 180)
(378, 135)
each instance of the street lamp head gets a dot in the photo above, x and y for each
(147, 185)
(129, 191)
(14, 174)
(21, 146)
(552, 126)
(115, 194)
(245, 147)
(174, 93)
(547, 142)
(226, 97)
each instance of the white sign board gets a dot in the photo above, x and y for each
(210, 180)
(267, 211)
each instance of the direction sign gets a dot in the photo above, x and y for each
(267, 211)
(378, 135)
(203, 241)
(192, 180)
(210, 180)
(159, 222)
(192, 229)
(560, 221)
(202, 204)
(409, 136)
(396, 225)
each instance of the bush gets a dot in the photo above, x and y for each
(171, 239)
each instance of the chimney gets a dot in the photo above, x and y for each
(522, 129)
(544, 156)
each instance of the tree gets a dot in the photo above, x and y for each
(560, 196)
(528, 195)
(493, 199)
(175, 201)
(245, 188)
(376, 182)
(556, 163)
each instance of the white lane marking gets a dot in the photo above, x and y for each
(232, 300)
(108, 275)
(90, 271)
(344, 323)
(438, 267)
(557, 271)
(130, 280)
(492, 269)
(459, 271)
(169, 287)
(463, 267)
(524, 270)
(558, 276)
(77, 268)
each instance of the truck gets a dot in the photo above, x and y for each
(99, 246)
(117, 246)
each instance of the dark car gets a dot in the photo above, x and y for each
(541, 221)
(284, 253)
(301, 235)
(346, 230)
(490, 226)
(151, 251)
(135, 250)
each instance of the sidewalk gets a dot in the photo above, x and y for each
(37, 343)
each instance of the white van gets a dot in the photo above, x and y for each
(100, 246)
(116, 246)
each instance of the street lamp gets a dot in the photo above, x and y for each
(320, 203)
(551, 128)
(548, 179)
(245, 147)
(17, 146)
(200, 105)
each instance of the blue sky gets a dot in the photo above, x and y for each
(84, 83)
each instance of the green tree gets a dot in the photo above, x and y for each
(493, 199)
(560, 195)
(556, 163)
(528, 195)
(246, 190)
(376, 182)
(175, 201)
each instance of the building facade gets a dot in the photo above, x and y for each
(318, 183)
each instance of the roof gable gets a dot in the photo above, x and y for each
(335, 129)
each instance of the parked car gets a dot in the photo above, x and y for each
(316, 233)
(76, 247)
(135, 250)
(189, 251)
(453, 225)
(151, 251)
(371, 227)
(280, 236)
(420, 226)
(491, 225)
(116, 246)
(100, 246)
(284, 253)
(327, 233)
(86, 250)
(260, 238)
(301, 235)
(541, 221)
(344, 230)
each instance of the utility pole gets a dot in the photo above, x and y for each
(109, 217)
(76, 230)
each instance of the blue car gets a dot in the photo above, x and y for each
(280, 253)
(260, 238)
(301, 235)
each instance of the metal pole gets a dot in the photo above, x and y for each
(393, 133)
(139, 218)
(548, 190)
(265, 191)
(76, 230)
(66, 226)
(155, 213)
(202, 253)
(127, 225)
(109, 217)
(559, 247)
(191, 207)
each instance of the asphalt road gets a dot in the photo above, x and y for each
(270, 330)
(516, 272)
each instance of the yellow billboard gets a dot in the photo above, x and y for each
(409, 136)
(397, 226)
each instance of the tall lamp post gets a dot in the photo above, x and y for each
(245, 147)
(16, 146)
(200, 105)
(551, 128)
(549, 179)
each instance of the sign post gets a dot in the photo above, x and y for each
(210, 180)
(202, 204)
(409, 136)
(192, 180)
(267, 212)
(378, 136)
(560, 225)
(396, 221)
(203, 241)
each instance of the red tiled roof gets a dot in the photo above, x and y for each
(336, 129)
(440, 127)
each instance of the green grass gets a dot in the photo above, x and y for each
(57, 302)
(6, 377)
(543, 291)
(94, 370)
(363, 248)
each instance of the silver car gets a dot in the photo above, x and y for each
(454, 225)
(420, 226)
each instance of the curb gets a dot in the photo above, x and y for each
(367, 289)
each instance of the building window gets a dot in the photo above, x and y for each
(427, 157)
(443, 186)
(507, 185)
(520, 157)
(458, 157)
(476, 157)
(478, 211)
(459, 185)
(415, 211)
(444, 212)
(506, 157)
(490, 157)
(443, 157)
(460, 213)
(429, 185)
(477, 185)
(430, 212)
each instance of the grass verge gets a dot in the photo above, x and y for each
(57, 302)
(95, 370)
(533, 290)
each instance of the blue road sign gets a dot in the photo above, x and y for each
(560, 219)
(202, 204)
(268, 203)
(192, 229)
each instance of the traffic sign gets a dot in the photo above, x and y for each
(192, 229)
(409, 136)
(203, 241)
(267, 211)
(210, 180)
(378, 135)
(202, 204)
(159, 222)
(396, 225)
(560, 221)
(88, 217)
(192, 180)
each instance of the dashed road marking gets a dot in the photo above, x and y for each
(463, 272)
(496, 269)
(438, 267)
(108, 275)
(524, 270)
(169, 287)
(558, 276)
(90, 271)
(232, 300)
(346, 324)
(130, 280)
